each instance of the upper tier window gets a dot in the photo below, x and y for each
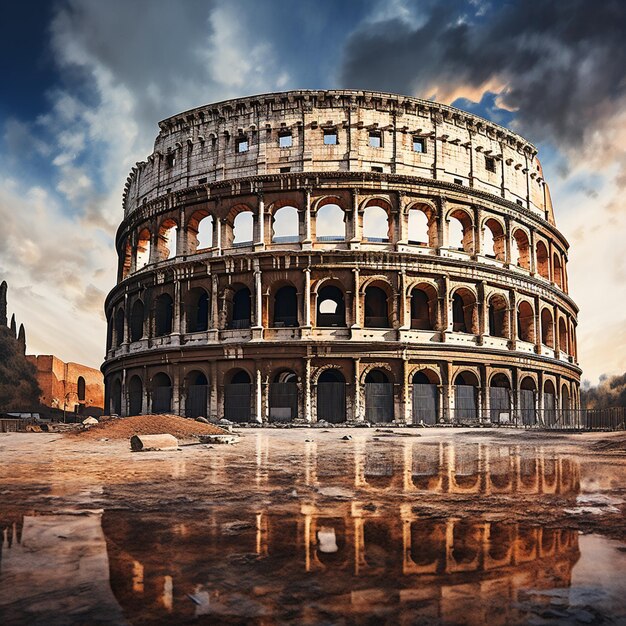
(419, 144)
(376, 139)
(242, 144)
(490, 164)
(285, 140)
(170, 159)
(330, 137)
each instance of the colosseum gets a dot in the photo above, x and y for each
(347, 256)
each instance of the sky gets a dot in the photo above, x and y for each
(85, 83)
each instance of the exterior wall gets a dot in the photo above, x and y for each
(525, 354)
(59, 382)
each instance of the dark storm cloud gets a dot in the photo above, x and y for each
(562, 64)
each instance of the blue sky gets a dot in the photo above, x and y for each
(85, 83)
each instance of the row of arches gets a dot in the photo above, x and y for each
(328, 222)
(378, 397)
(378, 300)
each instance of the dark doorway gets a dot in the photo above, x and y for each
(197, 393)
(331, 397)
(425, 400)
(466, 398)
(135, 396)
(164, 314)
(378, 397)
(136, 321)
(499, 399)
(284, 397)
(242, 309)
(238, 398)
(198, 311)
(161, 394)
(376, 314)
(331, 308)
(286, 307)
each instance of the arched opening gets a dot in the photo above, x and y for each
(421, 231)
(498, 318)
(425, 397)
(284, 397)
(142, 252)
(520, 255)
(135, 396)
(331, 308)
(494, 244)
(466, 397)
(119, 327)
(241, 309)
(166, 243)
(566, 413)
(136, 320)
(200, 231)
(197, 394)
(549, 403)
(110, 331)
(116, 397)
(543, 260)
(460, 232)
(197, 310)
(423, 307)
(286, 307)
(80, 389)
(238, 397)
(330, 223)
(376, 308)
(557, 271)
(378, 397)
(161, 393)
(525, 322)
(285, 225)
(127, 259)
(547, 328)
(499, 399)
(375, 224)
(527, 401)
(243, 229)
(331, 397)
(563, 343)
(464, 312)
(163, 315)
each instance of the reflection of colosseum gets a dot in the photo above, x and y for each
(340, 255)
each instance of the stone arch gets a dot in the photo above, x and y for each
(196, 387)
(525, 322)
(317, 373)
(557, 271)
(283, 395)
(284, 305)
(520, 254)
(166, 240)
(197, 310)
(464, 310)
(331, 393)
(143, 248)
(496, 245)
(137, 320)
(116, 396)
(466, 397)
(200, 229)
(500, 396)
(238, 306)
(498, 313)
(120, 323)
(424, 373)
(127, 259)
(422, 224)
(542, 259)
(371, 367)
(330, 304)
(377, 303)
(424, 300)
(547, 327)
(376, 224)
(239, 226)
(285, 223)
(377, 384)
(238, 395)
(563, 335)
(330, 222)
(463, 220)
(163, 315)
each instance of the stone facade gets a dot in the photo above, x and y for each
(472, 324)
(68, 385)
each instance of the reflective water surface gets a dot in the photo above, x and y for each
(381, 529)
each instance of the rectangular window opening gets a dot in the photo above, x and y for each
(490, 164)
(376, 168)
(330, 137)
(242, 144)
(285, 140)
(202, 181)
(519, 202)
(170, 159)
(458, 181)
(285, 170)
(376, 139)
(419, 144)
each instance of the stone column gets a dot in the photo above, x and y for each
(403, 303)
(354, 231)
(154, 242)
(356, 300)
(216, 235)
(307, 391)
(406, 391)
(507, 241)
(537, 307)
(513, 320)
(307, 298)
(403, 220)
(181, 233)
(259, 223)
(532, 252)
(478, 232)
(176, 325)
(258, 300)
(307, 241)
(358, 415)
(133, 252)
(258, 391)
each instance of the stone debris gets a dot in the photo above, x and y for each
(227, 439)
(149, 443)
(204, 420)
(346, 438)
(90, 421)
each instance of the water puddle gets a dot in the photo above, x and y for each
(393, 532)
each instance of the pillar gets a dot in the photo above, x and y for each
(259, 242)
(307, 298)
(356, 300)
(258, 392)
(258, 302)
(181, 233)
(356, 405)
(307, 218)
(307, 391)
(406, 395)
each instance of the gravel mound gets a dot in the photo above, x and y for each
(126, 427)
(611, 443)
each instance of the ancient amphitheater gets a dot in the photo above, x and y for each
(341, 256)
